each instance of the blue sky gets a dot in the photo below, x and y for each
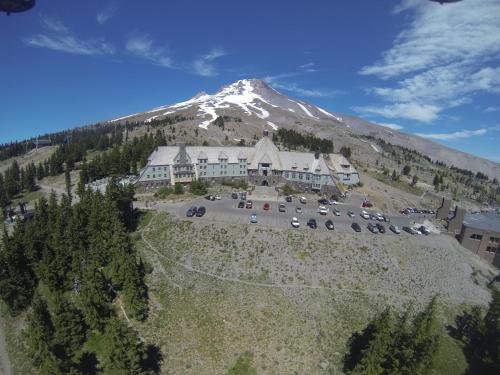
(425, 68)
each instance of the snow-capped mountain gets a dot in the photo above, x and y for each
(251, 96)
(251, 105)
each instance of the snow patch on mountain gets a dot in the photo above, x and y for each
(329, 114)
(124, 117)
(272, 125)
(307, 111)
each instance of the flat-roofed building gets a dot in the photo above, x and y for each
(480, 234)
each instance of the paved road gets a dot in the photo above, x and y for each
(227, 211)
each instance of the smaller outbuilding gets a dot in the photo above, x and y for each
(480, 233)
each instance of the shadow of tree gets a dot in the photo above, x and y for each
(153, 359)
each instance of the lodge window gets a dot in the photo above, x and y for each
(476, 236)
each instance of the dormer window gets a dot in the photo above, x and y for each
(345, 166)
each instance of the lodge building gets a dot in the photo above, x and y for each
(262, 164)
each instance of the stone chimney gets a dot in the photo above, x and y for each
(316, 154)
(265, 133)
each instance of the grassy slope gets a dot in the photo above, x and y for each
(203, 324)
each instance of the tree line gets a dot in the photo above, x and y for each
(70, 267)
(399, 344)
(293, 139)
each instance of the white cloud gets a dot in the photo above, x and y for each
(277, 82)
(413, 111)
(59, 38)
(390, 125)
(52, 24)
(143, 47)
(307, 65)
(444, 55)
(455, 135)
(105, 14)
(492, 109)
(204, 65)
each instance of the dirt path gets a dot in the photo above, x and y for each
(4, 357)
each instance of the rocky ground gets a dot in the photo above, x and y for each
(291, 298)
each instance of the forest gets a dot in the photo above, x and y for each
(73, 269)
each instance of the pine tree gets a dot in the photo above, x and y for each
(16, 275)
(67, 179)
(40, 331)
(125, 352)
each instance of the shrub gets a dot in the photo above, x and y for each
(178, 189)
(163, 192)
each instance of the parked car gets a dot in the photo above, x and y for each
(334, 202)
(380, 217)
(373, 217)
(288, 198)
(243, 195)
(311, 223)
(303, 200)
(372, 228)
(367, 204)
(281, 207)
(266, 206)
(417, 230)
(200, 211)
(323, 201)
(298, 209)
(409, 230)
(253, 218)
(191, 212)
(336, 212)
(381, 228)
(356, 227)
(364, 215)
(350, 214)
(295, 222)
(329, 225)
(241, 204)
(210, 197)
(249, 204)
(234, 195)
(322, 210)
(218, 197)
(424, 230)
(395, 229)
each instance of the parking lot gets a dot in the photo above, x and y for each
(226, 210)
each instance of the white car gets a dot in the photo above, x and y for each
(303, 200)
(322, 210)
(364, 215)
(380, 217)
(295, 222)
(336, 212)
(417, 230)
(334, 203)
(218, 197)
(298, 210)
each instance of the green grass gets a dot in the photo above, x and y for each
(450, 359)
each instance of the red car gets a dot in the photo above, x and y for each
(266, 206)
(367, 204)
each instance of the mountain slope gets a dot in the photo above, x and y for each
(260, 106)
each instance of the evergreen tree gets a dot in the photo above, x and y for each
(406, 170)
(16, 276)
(40, 332)
(125, 352)
(67, 179)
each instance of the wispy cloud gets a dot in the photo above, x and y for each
(204, 64)
(309, 67)
(58, 37)
(492, 109)
(443, 57)
(108, 12)
(280, 81)
(144, 47)
(413, 111)
(455, 135)
(461, 134)
(390, 125)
